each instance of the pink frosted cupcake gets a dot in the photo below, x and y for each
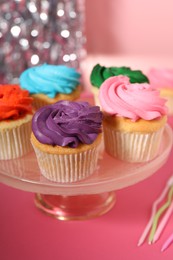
(134, 119)
(163, 80)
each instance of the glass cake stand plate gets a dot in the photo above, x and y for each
(88, 198)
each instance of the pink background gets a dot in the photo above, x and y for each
(130, 27)
(134, 33)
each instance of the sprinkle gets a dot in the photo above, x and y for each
(159, 213)
(163, 223)
(167, 243)
(154, 208)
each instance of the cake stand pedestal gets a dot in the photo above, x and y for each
(89, 198)
(77, 207)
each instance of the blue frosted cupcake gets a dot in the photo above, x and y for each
(48, 84)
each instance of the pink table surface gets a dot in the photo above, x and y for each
(26, 233)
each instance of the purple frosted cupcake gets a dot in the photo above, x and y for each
(66, 138)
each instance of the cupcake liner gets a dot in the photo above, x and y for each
(15, 142)
(101, 148)
(132, 147)
(67, 167)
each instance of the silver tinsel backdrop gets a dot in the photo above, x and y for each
(33, 32)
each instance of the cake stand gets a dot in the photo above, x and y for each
(89, 198)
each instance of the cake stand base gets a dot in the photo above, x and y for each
(79, 207)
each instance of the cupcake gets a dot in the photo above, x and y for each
(134, 119)
(15, 122)
(163, 80)
(48, 84)
(100, 73)
(66, 138)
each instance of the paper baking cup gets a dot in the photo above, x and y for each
(101, 148)
(132, 147)
(15, 142)
(69, 167)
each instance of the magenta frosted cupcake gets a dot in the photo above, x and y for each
(162, 79)
(66, 138)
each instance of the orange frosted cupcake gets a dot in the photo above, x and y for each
(134, 119)
(48, 84)
(15, 122)
(66, 138)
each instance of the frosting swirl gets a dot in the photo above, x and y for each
(100, 73)
(134, 101)
(67, 123)
(160, 78)
(50, 79)
(14, 102)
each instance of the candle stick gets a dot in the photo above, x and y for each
(163, 223)
(159, 213)
(167, 243)
(154, 209)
